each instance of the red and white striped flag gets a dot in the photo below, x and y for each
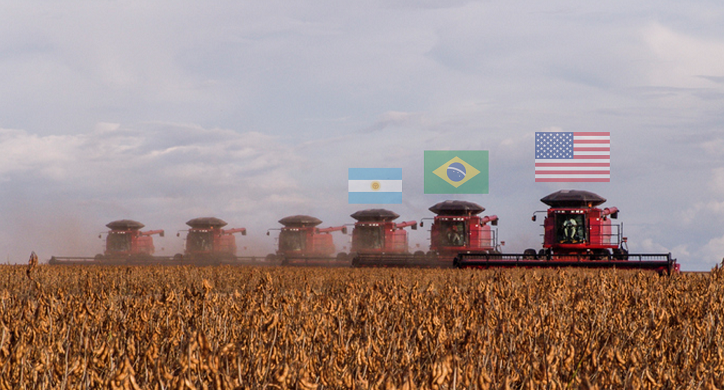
(573, 156)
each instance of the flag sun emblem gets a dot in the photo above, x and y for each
(375, 185)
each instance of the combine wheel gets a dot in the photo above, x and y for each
(544, 254)
(178, 257)
(99, 258)
(601, 254)
(342, 257)
(620, 254)
(271, 258)
(529, 254)
(431, 256)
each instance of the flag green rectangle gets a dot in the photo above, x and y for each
(456, 171)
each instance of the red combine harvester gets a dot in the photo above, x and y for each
(302, 243)
(125, 244)
(208, 244)
(377, 240)
(456, 228)
(576, 234)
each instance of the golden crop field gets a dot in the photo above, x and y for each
(312, 328)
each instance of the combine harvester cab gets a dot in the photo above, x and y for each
(301, 242)
(457, 228)
(378, 241)
(576, 234)
(125, 244)
(208, 244)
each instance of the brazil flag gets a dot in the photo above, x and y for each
(456, 171)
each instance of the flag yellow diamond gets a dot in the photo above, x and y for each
(456, 172)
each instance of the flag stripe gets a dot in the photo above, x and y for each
(589, 156)
(578, 164)
(590, 160)
(577, 172)
(593, 133)
(593, 142)
(570, 180)
(573, 174)
(366, 186)
(573, 168)
(375, 197)
(590, 149)
(375, 173)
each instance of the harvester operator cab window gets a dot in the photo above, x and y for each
(571, 228)
(371, 237)
(199, 241)
(291, 240)
(453, 233)
(118, 242)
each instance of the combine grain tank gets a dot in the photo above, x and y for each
(125, 244)
(301, 242)
(576, 234)
(377, 240)
(208, 244)
(456, 228)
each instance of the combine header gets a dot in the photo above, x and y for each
(208, 244)
(456, 228)
(576, 234)
(376, 240)
(125, 244)
(301, 242)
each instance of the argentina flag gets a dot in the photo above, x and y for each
(375, 185)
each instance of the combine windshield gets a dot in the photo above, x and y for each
(370, 237)
(452, 233)
(291, 240)
(200, 241)
(571, 228)
(118, 242)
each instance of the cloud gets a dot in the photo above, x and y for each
(717, 181)
(710, 210)
(160, 172)
(713, 252)
(681, 60)
(394, 119)
(713, 147)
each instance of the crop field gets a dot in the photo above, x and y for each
(312, 328)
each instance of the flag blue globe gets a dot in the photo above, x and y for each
(456, 172)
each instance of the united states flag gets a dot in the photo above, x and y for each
(573, 156)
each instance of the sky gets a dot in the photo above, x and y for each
(253, 111)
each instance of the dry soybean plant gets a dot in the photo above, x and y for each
(312, 328)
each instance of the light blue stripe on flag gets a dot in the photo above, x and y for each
(375, 174)
(375, 197)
